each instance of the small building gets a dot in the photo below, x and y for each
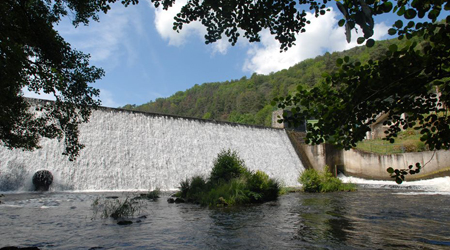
(278, 114)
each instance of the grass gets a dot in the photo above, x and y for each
(323, 182)
(121, 208)
(407, 141)
(151, 195)
(115, 208)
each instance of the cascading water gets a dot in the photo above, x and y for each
(138, 151)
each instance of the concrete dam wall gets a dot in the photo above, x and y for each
(128, 150)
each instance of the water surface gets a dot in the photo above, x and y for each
(370, 218)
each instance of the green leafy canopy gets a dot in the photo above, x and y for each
(34, 56)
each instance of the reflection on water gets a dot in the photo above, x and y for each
(366, 219)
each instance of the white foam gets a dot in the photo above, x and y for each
(439, 185)
(134, 151)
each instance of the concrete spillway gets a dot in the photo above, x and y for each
(140, 151)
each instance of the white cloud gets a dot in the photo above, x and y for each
(108, 99)
(323, 34)
(109, 40)
(164, 25)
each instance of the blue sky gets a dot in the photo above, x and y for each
(145, 59)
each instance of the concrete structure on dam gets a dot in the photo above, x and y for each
(127, 150)
(370, 165)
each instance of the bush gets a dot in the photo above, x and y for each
(311, 181)
(227, 166)
(262, 188)
(230, 183)
(314, 182)
(196, 189)
(234, 192)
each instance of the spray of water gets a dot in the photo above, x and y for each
(136, 151)
(439, 185)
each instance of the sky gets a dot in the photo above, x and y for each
(145, 59)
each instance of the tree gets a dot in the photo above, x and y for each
(34, 56)
(412, 80)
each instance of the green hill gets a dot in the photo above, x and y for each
(248, 101)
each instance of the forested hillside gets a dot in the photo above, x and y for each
(248, 101)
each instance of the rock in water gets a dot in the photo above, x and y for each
(42, 180)
(124, 222)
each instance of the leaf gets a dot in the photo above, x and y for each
(370, 43)
(410, 14)
(387, 7)
(392, 31)
(360, 40)
(342, 9)
(398, 24)
(390, 170)
(348, 30)
(433, 14)
(341, 22)
(398, 180)
(339, 62)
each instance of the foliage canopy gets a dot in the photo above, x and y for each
(34, 56)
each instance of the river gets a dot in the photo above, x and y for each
(377, 216)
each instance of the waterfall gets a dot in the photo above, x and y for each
(128, 150)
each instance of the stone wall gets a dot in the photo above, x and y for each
(373, 166)
(315, 156)
(369, 165)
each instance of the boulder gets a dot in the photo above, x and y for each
(42, 180)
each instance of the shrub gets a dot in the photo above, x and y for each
(184, 188)
(310, 180)
(227, 166)
(196, 189)
(262, 188)
(230, 183)
(314, 182)
(234, 192)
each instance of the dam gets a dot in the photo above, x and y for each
(129, 150)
